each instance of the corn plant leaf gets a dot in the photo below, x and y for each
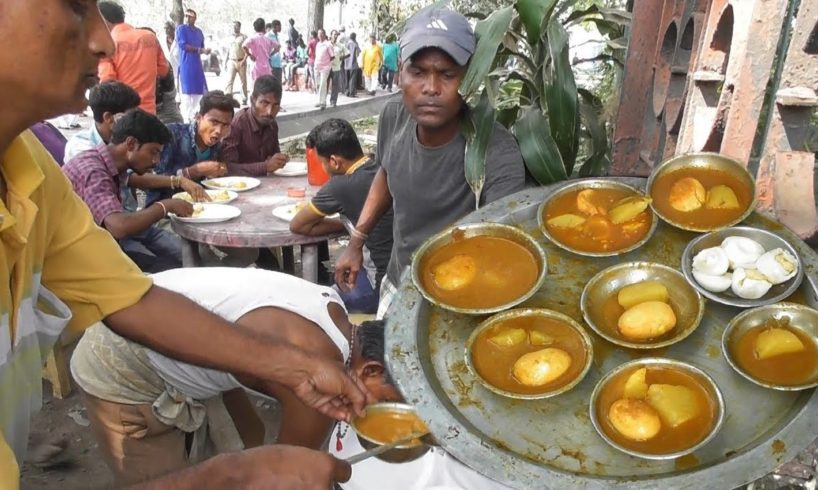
(540, 153)
(477, 132)
(561, 96)
(591, 112)
(490, 33)
(534, 14)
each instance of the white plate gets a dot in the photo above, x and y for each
(214, 196)
(288, 212)
(237, 184)
(292, 169)
(211, 213)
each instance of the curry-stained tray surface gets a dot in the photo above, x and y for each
(551, 443)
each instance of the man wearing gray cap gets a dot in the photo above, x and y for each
(421, 149)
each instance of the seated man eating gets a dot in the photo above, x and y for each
(152, 414)
(98, 175)
(352, 173)
(252, 146)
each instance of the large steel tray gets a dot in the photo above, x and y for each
(551, 443)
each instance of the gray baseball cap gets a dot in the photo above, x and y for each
(437, 27)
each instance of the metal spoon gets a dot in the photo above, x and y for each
(382, 449)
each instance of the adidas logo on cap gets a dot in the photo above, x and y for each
(437, 24)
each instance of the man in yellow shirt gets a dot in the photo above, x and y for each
(372, 57)
(60, 271)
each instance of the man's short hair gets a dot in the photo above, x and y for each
(112, 96)
(142, 126)
(313, 33)
(269, 25)
(352, 36)
(370, 337)
(258, 25)
(192, 12)
(267, 84)
(336, 137)
(292, 22)
(218, 100)
(276, 23)
(235, 22)
(112, 12)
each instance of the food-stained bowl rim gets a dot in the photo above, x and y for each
(585, 297)
(794, 282)
(663, 362)
(391, 407)
(516, 313)
(677, 162)
(594, 184)
(442, 237)
(732, 325)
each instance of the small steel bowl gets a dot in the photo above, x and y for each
(472, 230)
(593, 184)
(767, 240)
(400, 454)
(710, 385)
(705, 160)
(507, 315)
(687, 303)
(801, 317)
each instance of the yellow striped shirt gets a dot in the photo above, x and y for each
(58, 270)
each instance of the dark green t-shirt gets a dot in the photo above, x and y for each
(428, 185)
(346, 194)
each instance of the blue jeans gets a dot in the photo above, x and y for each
(154, 250)
(363, 298)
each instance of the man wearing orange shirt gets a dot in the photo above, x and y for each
(138, 59)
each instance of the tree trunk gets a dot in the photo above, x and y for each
(177, 14)
(315, 15)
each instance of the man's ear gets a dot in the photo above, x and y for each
(131, 143)
(108, 117)
(335, 163)
(371, 369)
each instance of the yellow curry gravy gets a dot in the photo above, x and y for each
(793, 369)
(598, 234)
(385, 426)
(703, 217)
(495, 364)
(505, 270)
(669, 439)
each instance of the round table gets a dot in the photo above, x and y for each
(551, 443)
(256, 227)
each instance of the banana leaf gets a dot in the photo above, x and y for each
(591, 111)
(490, 33)
(561, 96)
(477, 131)
(540, 153)
(534, 14)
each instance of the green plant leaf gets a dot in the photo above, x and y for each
(477, 132)
(540, 153)
(591, 111)
(534, 14)
(489, 34)
(561, 96)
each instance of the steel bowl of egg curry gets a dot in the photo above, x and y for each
(529, 353)
(479, 268)
(597, 218)
(702, 192)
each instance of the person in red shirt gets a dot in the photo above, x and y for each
(138, 60)
(311, 45)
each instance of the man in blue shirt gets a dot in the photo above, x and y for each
(275, 56)
(195, 151)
